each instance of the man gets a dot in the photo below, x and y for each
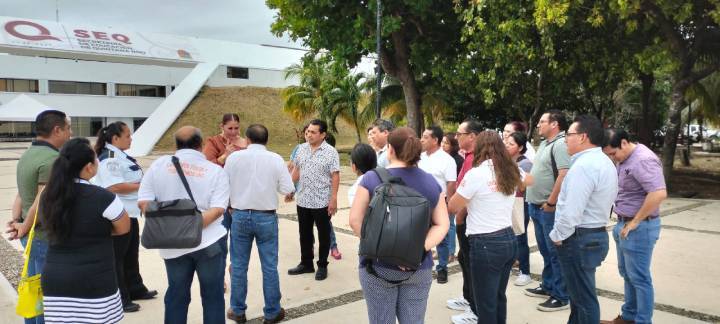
(642, 189)
(442, 167)
(583, 210)
(33, 170)
(466, 135)
(380, 131)
(549, 169)
(256, 174)
(209, 186)
(317, 169)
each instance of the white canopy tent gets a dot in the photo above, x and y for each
(22, 108)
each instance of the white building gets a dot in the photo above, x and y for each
(99, 75)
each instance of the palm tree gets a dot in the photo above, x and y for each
(704, 99)
(343, 102)
(309, 96)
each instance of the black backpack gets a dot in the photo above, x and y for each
(395, 225)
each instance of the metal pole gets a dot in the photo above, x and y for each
(378, 69)
(688, 129)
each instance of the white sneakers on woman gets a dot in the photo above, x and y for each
(523, 280)
(461, 304)
(458, 304)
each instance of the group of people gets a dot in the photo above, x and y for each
(88, 200)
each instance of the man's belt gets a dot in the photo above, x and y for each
(627, 218)
(255, 211)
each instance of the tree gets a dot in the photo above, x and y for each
(689, 32)
(416, 33)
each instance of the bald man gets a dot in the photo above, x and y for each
(210, 190)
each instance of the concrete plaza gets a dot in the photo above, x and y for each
(685, 269)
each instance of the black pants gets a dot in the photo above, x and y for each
(127, 266)
(464, 260)
(306, 218)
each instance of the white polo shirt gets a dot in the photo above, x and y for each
(117, 167)
(488, 209)
(256, 177)
(208, 183)
(441, 166)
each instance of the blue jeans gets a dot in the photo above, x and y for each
(208, 265)
(333, 241)
(263, 228)
(38, 251)
(634, 258)
(580, 255)
(491, 258)
(552, 280)
(523, 247)
(447, 246)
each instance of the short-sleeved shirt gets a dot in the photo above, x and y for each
(525, 164)
(209, 185)
(117, 167)
(382, 158)
(316, 169)
(441, 166)
(466, 166)
(488, 209)
(87, 253)
(415, 178)
(33, 169)
(542, 171)
(640, 174)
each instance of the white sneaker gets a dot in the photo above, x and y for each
(523, 280)
(465, 318)
(458, 304)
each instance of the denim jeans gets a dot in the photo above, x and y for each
(580, 255)
(333, 241)
(207, 263)
(491, 258)
(464, 261)
(38, 251)
(634, 258)
(447, 246)
(552, 279)
(523, 247)
(263, 228)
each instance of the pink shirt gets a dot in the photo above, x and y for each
(640, 174)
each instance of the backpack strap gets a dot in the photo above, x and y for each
(386, 177)
(180, 172)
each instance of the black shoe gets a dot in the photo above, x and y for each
(277, 318)
(234, 317)
(150, 294)
(537, 292)
(442, 276)
(321, 274)
(552, 305)
(131, 307)
(300, 269)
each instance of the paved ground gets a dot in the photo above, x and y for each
(685, 270)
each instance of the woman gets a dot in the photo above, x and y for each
(405, 301)
(79, 218)
(514, 127)
(516, 147)
(119, 173)
(217, 148)
(451, 146)
(362, 160)
(488, 193)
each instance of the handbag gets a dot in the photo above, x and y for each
(518, 216)
(174, 224)
(30, 295)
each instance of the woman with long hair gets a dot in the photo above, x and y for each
(516, 145)
(406, 301)
(519, 127)
(80, 219)
(488, 193)
(120, 174)
(217, 148)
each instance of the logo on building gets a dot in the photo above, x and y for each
(11, 27)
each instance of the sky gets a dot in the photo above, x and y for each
(246, 21)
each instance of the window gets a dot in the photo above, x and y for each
(72, 87)
(237, 72)
(18, 85)
(137, 122)
(139, 90)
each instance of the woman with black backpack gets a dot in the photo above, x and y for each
(391, 291)
(488, 193)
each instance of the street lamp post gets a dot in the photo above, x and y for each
(378, 69)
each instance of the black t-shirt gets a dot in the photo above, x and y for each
(82, 266)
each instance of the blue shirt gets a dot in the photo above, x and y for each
(587, 194)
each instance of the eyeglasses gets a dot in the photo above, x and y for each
(575, 133)
(462, 133)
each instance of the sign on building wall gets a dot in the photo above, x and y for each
(41, 34)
